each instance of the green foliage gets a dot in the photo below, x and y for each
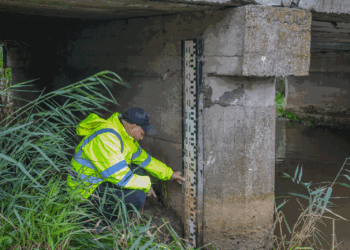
(279, 103)
(7, 72)
(36, 145)
(281, 112)
(318, 197)
(291, 116)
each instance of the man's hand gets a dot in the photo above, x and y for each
(177, 176)
(151, 193)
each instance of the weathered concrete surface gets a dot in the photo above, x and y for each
(259, 41)
(282, 36)
(239, 137)
(239, 118)
(329, 6)
(324, 94)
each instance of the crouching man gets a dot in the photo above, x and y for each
(110, 157)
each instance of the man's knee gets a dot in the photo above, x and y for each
(136, 197)
(141, 198)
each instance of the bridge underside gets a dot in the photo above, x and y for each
(121, 9)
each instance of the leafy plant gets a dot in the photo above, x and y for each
(291, 116)
(280, 106)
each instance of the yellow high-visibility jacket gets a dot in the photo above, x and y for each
(104, 155)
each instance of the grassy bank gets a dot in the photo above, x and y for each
(36, 146)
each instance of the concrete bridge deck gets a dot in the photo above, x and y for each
(102, 9)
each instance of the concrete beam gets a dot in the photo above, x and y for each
(259, 41)
(322, 6)
(100, 9)
(329, 6)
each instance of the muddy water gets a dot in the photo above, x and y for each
(322, 153)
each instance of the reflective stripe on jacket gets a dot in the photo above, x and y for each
(104, 155)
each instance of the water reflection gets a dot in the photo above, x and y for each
(321, 152)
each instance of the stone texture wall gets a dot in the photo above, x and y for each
(260, 41)
(330, 6)
(277, 41)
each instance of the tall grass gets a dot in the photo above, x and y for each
(36, 146)
(306, 232)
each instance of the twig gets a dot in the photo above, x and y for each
(162, 225)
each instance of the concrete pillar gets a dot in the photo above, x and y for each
(239, 141)
(242, 55)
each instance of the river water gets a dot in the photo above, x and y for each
(321, 152)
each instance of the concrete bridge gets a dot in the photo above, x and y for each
(237, 48)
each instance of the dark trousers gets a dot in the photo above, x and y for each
(113, 195)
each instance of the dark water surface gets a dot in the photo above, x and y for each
(321, 152)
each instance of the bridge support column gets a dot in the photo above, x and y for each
(242, 55)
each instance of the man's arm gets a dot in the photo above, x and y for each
(151, 165)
